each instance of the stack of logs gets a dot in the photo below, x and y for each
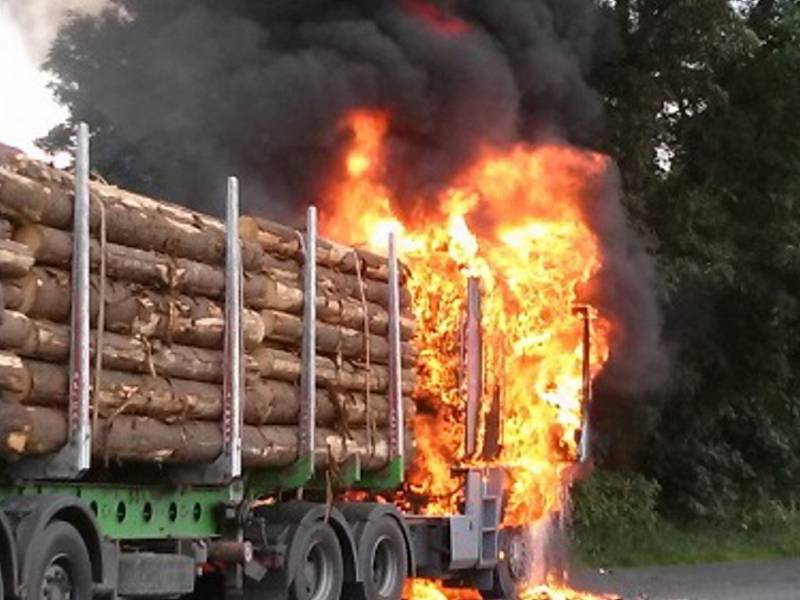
(158, 394)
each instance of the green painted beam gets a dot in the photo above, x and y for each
(267, 481)
(387, 479)
(143, 512)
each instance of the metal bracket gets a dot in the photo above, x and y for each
(228, 466)
(74, 459)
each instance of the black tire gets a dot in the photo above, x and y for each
(58, 567)
(320, 572)
(384, 562)
(511, 575)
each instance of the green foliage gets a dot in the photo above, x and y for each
(610, 500)
(718, 94)
(616, 524)
(610, 506)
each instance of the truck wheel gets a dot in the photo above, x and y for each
(320, 573)
(512, 573)
(59, 567)
(384, 562)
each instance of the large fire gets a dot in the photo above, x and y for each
(514, 220)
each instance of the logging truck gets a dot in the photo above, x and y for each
(141, 459)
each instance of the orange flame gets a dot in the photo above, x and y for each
(422, 589)
(513, 219)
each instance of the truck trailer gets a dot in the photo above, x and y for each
(74, 526)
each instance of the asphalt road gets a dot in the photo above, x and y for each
(776, 580)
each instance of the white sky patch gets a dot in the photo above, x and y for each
(27, 107)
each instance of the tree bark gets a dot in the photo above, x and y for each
(53, 247)
(15, 428)
(338, 284)
(33, 192)
(15, 259)
(50, 342)
(133, 310)
(287, 242)
(16, 292)
(6, 229)
(279, 289)
(266, 402)
(29, 431)
(15, 379)
(285, 366)
(332, 339)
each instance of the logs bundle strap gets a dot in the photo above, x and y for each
(158, 394)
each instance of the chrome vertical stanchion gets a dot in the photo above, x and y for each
(474, 366)
(308, 376)
(75, 457)
(228, 466)
(232, 412)
(80, 343)
(396, 412)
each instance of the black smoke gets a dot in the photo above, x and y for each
(182, 93)
(187, 91)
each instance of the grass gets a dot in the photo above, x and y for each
(667, 544)
(617, 524)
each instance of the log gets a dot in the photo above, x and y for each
(32, 192)
(15, 428)
(16, 292)
(287, 242)
(29, 431)
(15, 379)
(50, 342)
(6, 229)
(331, 339)
(272, 294)
(337, 284)
(285, 366)
(37, 383)
(53, 247)
(15, 259)
(133, 310)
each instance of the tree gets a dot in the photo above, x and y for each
(703, 111)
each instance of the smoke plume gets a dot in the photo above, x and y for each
(181, 94)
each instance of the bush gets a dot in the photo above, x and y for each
(614, 513)
(616, 523)
(613, 501)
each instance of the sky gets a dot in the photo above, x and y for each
(27, 108)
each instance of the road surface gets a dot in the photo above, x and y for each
(774, 580)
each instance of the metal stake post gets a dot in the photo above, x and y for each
(228, 466)
(74, 458)
(308, 377)
(396, 413)
(474, 364)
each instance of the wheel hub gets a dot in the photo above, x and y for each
(57, 582)
(520, 557)
(384, 567)
(318, 572)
